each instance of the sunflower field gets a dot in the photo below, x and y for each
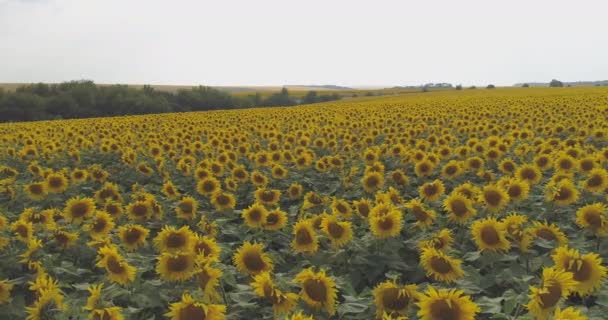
(459, 205)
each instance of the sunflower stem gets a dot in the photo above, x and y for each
(598, 243)
(224, 293)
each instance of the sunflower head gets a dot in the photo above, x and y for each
(251, 259)
(440, 266)
(391, 298)
(188, 308)
(318, 290)
(444, 304)
(586, 269)
(305, 237)
(490, 235)
(338, 232)
(255, 215)
(431, 191)
(171, 239)
(178, 266)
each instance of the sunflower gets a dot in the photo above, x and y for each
(255, 215)
(338, 232)
(94, 296)
(208, 186)
(569, 313)
(268, 197)
(176, 266)
(372, 181)
(100, 225)
(386, 225)
(452, 169)
(251, 259)
(341, 207)
(431, 191)
(474, 164)
(56, 183)
(208, 280)
(295, 191)
(281, 302)
(556, 284)
(5, 291)
(424, 168)
(597, 181)
(186, 208)
(563, 193)
(318, 290)
(513, 225)
(565, 163)
(133, 236)
(440, 266)
(490, 235)
(507, 166)
(494, 198)
(529, 173)
(188, 308)
(23, 230)
(140, 210)
(169, 190)
(65, 239)
(275, 220)
(516, 189)
(586, 269)
(114, 208)
(49, 304)
(118, 269)
(445, 304)
(305, 238)
(459, 207)
(109, 191)
(171, 239)
(36, 190)
(206, 248)
(363, 207)
(468, 190)
(78, 209)
(223, 201)
(399, 177)
(79, 175)
(258, 179)
(389, 297)
(441, 240)
(593, 217)
(548, 232)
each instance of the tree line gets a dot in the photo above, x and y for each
(85, 99)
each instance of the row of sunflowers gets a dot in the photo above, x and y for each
(437, 206)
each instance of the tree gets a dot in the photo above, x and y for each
(459, 87)
(310, 97)
(491, 86)
(556, 83)
(525, 85)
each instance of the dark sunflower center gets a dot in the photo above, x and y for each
(587, 165)
(132, 236)
(528, 174)
(186, 207)
(450, 170)
(581, 274)
(303, 237)
(255, 215)
(55, 182)
(36, 189)
(508, 166)
(203, 248)
(459, 207)
(542, 162)
(551, 297)
(267, 196)
(272, 219)
(372, 181)
(386, 224)
(363, 209)
(595, 181)
(514, 191)
(178, 263)
(176, 240)
(61, 238)
(440, 265)
(140, 210)
(565, 164)
(593, 218)
(393, 300)
(424, 168)
(79, 209)
(316, 290)
(430, 190)
(254, 262)
(489, 235)
(442, 310)
(341, 208)
(203, 279)
(208, 186)
(192, 312)
(115, 266)
(335, 230)
(546, 234)
(492, 197)
(22, 230)
(222, 200)
(99, 225)
(564, 193)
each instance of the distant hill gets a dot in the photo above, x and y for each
(572, 84)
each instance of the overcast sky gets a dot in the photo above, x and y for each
(259, 42)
